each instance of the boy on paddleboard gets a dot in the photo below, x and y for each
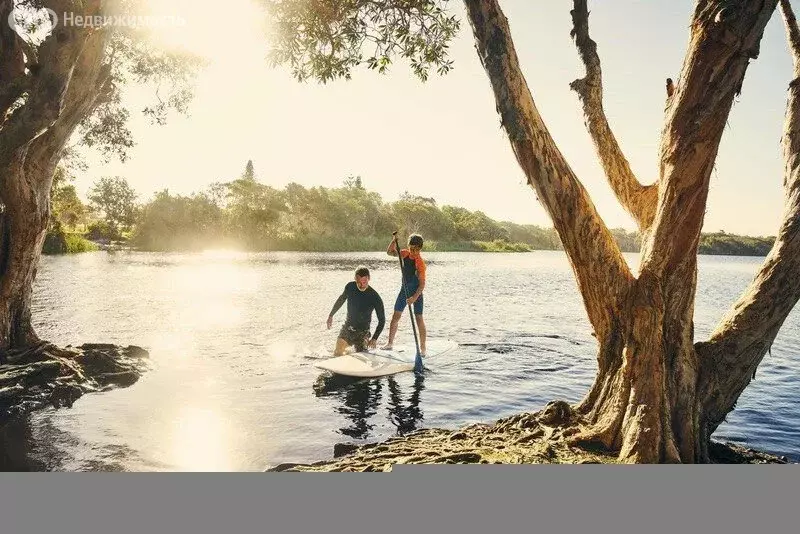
(414, 278)
(361, 301)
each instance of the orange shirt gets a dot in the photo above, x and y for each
(415, 268)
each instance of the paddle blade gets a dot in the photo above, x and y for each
(418, 363)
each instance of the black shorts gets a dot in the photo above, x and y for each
(355, 337)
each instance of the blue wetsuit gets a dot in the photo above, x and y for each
(413, 273)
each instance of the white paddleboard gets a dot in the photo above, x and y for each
(379, 362)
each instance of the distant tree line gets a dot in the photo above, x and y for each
(247, 214)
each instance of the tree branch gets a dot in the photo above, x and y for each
(87, 89)
(639, 200)
(741, 339)
(58, 54)
(604, 278)
(725, 37)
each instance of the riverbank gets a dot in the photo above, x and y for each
(75, 244)
(542, 437)
(324, 244)
(46, 375)
(68, 243)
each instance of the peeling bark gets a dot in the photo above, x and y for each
(745, 334)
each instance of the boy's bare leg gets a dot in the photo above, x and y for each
(393, 329)
(422, 332)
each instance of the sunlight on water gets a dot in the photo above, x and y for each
(216, 314)
(179, 347)
(282, 350)
(199, 440)
(214, 278)
(212, 254)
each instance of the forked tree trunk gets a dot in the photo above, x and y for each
(656, 398)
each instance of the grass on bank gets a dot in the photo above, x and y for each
(67, 243)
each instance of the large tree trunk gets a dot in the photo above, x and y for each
(23, 225)
(652, 397)
(730, 357)
(721, 45)
(65, 87)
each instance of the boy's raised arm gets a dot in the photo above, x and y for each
(392, 250)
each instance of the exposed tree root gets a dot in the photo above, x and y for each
(544, 437)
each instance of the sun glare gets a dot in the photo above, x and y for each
(200, 440)
(222, 254)
(225, 32)
(281, 350)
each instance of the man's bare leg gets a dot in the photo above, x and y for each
(341, 345)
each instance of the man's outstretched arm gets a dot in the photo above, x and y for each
(381, 314)
(336, 305)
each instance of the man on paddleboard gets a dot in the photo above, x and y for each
(362, 300)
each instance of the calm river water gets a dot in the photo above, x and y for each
(233, 339)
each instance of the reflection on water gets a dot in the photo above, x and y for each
(16, 442)
(406, 414)
(361, 400)
(233, 338)
(27, 447)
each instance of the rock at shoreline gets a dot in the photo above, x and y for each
(529, 438)
(46, 375)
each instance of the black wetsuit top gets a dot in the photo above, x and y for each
(359, 308)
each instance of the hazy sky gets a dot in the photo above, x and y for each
(442, 138)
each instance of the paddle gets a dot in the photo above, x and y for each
(418, 358)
